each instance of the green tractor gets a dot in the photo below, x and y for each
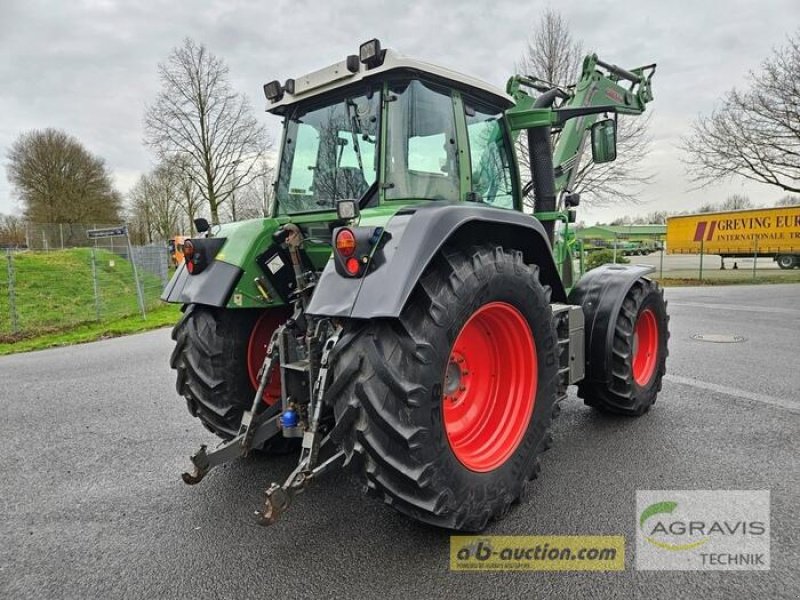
(399, 311)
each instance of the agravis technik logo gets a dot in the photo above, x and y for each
(702, 529)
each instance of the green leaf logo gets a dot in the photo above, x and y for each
(654, 509)
(665, 508)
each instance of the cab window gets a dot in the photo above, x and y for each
(422, 155)
(490, 162)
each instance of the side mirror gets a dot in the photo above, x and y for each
(604, 141)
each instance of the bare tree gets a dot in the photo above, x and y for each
(57, 180)
(657, 217)
(622, 180)
(552, 54)
(707, 207)
(755, 133)
(789, 200)
(197, 115)
(256, 199)
(626, 220)
(12, 231)
(138, 213)
(189, 196)
(156, 210)
(736, 202)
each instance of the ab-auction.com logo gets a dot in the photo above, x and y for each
(702, 529)
(537, 553)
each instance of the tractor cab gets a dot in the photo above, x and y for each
(385, 129)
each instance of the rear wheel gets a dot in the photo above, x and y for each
(786, 261)
(217, 356)
(445, 410)
(638, 354)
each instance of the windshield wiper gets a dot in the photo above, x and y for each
(355, 129)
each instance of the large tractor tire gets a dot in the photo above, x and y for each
(445, 411)
(217, 356)
(638, 354)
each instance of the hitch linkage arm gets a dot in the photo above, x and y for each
(278, 498)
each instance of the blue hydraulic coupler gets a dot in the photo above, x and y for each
(289, 418)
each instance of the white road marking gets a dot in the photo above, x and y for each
(741, 307)
(736, 393)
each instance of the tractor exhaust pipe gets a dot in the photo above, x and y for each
(540, 153)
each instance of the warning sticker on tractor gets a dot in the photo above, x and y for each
(537, 553)
(275, 265)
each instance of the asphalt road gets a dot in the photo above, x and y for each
(93, 440)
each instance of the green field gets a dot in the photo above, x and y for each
(52, 292)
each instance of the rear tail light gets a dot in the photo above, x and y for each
(352, 266)
(346, 243)
(200, 253)
(355, 248)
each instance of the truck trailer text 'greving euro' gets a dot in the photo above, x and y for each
(764, 232)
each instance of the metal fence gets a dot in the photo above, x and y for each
(60, 236)
(49, 290)
(713, 268)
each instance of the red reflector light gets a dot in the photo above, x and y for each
(346, 243)
(352, 265)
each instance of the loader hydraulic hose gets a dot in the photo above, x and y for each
(541, 159)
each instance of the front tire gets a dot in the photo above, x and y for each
(445, 410)
(638, 354)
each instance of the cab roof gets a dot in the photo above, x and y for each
(339, 75)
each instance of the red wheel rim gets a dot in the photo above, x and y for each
(257, 350)
(645, 347)
(490, 387)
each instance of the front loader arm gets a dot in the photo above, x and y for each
(602, 88)
(597, 90)
(569, 113)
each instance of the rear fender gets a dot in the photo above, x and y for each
(413, 236)
(212, 286)
(600, 293)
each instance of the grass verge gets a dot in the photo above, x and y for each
(162, 316)
(53, 291)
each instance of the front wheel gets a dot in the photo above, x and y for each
(638, 354)
(446, 409)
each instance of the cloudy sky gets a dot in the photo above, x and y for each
(89, 66)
